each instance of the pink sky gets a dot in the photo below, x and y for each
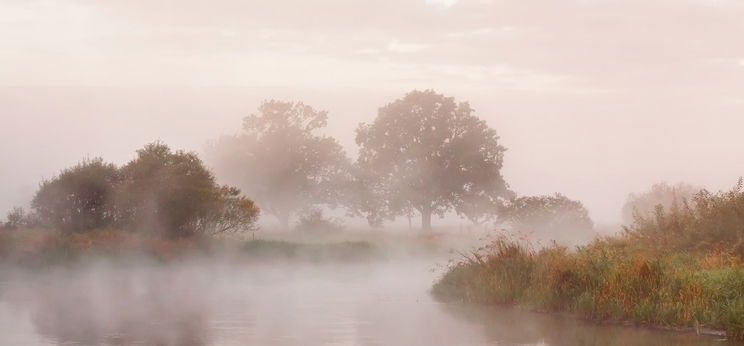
(593, 98)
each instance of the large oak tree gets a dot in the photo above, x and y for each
(427, 153)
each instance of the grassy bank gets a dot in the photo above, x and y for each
(43, 248)
(40, 248)
(314, 252)
(681, 268)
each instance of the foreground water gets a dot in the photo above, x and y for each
(380, 303)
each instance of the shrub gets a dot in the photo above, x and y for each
(545, 216)
(80, 198)
(161, 191)
(314, 221)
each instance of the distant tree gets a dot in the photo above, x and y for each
(80, 198)
(660, 194)
(175, 193)
(553, 216)
(429, 154)
(282, 161)
(19, 218)
(313, 220)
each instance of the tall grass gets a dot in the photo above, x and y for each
(40, 248)
(680, 268)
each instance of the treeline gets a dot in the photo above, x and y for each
(679, 266)
(424, 154)
(160, 191)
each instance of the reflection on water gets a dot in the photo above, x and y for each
(383, 303)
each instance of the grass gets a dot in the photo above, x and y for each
(281, 249)
(681, 269)
(605, 281)
(42, 248)
(39, 248)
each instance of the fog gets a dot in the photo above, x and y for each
(219, 302)
(592, 99)
(593, 148)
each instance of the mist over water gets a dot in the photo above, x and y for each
(217, 302)
(293, 172)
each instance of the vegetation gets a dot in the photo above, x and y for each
(161, 191)
(553, 217)
(19, 218)
(278, 249)
(80, 198)
(281, 160)
(44, 248)
(678, 268)
(313, 220)
(644, 204)
(429, 154)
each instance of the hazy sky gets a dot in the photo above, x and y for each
(593, 98)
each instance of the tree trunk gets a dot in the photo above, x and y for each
(426, 218)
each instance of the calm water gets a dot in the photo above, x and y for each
(384, 303)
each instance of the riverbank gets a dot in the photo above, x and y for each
(606, 281)
(43, 248)
(681, 269)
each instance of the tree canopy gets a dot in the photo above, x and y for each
(159, 191)
(80, 198)
(282, 160)
(427, 153)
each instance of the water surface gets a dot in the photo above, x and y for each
(379, 303)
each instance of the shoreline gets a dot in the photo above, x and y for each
(702, 331)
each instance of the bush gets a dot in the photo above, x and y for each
(161, 191)
(314, 221)
(551, 217)
(80, 198)
(19, 218)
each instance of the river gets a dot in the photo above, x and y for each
(372, 303)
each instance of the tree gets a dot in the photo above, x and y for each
(282, 161)
(229, 213)
(80, 198)
(427, 153)
(644, 204)
(555, 216)
(175, 193)
(18, 218)
(159, 191)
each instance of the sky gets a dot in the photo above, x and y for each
(594, 98)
